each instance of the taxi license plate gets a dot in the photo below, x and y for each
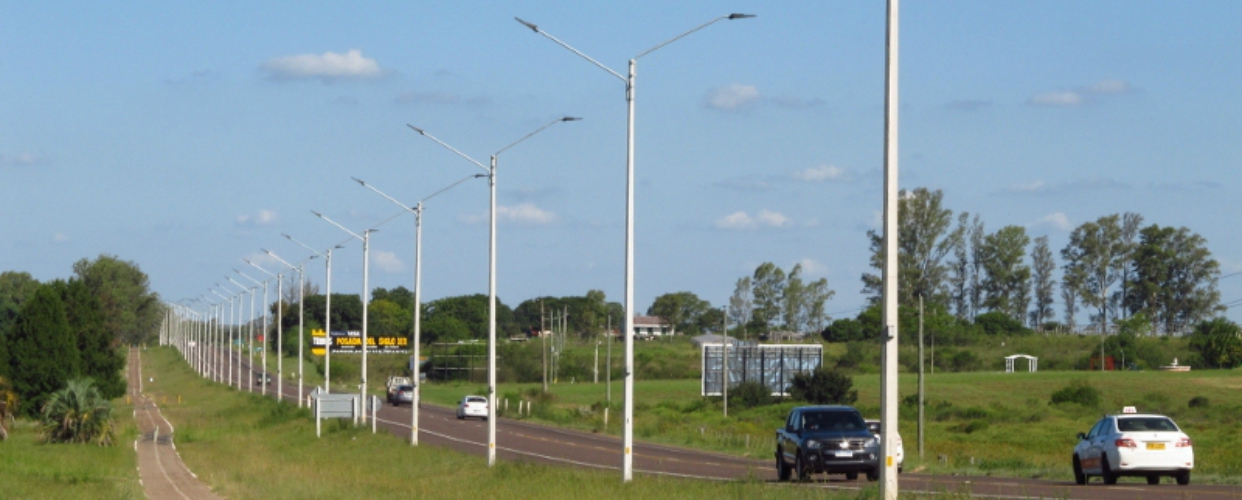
(1155, 446)
(844, 454)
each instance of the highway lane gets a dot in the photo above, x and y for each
(520, 440)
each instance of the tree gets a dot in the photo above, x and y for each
(960, 269)
(588, 314)
(767, 287)
(99, 354)
(793, 300)
(976, 234)
(817, 296)
(388, 319)
(923, 239)
(401, 296)
(823, 386)
(680, 309)
(43, 353)
(1174, 278)
(1130, 223)
(1218, 342)
(1007, 278)
(712, 320)
(346, 311)
(15, 288)
(131, 311)
(741, 304)
(1093, 256)
(473, 311)
(1043, 284)
(844, 330)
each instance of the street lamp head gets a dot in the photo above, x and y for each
(359, 181)
(416, 129)
(740, 16)
(317, 214)
(528, 25)
(571, 119)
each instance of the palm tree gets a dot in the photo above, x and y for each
(78, 414)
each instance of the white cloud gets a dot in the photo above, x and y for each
(260, 218)
(61, 238)
(22, 160)
(387, 261)
(1055, 220)
(522, 213)
(1041, 187)
(812, 267)
(329, 66)
(1065, 99)
(744, 221)
(732, 97)
(822, 173)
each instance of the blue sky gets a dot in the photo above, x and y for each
(186, 137)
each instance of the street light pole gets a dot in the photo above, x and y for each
(366, 293)
(888, 391)
(627, 472)
(301, 315)
(491, 276)
(250, 338)
(241, 308)
(417, 210)
(327, 309)
(266, 315)
(250, 345)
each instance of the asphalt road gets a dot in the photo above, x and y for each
(518, 440)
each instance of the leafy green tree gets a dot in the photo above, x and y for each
(712, 320)
(100, 357)
(814, 313)
(1219, 342)
(389, 319)
(844, 330)
(1130, 223)
(473, 311)
(588, 315)
(444, 328)
(15, 288)
(793, 300)
(823, 386)
(999, 323)
(961, 278)
(680, 309)
(1093, 258)
(923, 239)
(1042, 283)
(741, 304)
(43, 352)
(1174, 278)
(401, 296)
(767, 288)
(346, 311)
(79, 413)
(131, 311)
(1007, 278)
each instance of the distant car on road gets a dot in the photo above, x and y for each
(1134, 444)
(829, 440)
(260, 377)
(900, 454)
(404, 394)
(472, 407)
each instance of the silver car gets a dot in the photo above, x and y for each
(403, 395)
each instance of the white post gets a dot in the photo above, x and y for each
(627, 439)
(888, 393)
(418, 301)
(280, 341)
(327, 326)
(491, 322)
(366, 294)
(301, 325)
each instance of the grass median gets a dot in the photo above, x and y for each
(32, 469)
(245, 446)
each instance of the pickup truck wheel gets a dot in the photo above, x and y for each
(851, 476)
(782, 470)
(804, 473)
(873, 475)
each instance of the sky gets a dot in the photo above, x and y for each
(186, 137)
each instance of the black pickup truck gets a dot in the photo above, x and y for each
(829, 440)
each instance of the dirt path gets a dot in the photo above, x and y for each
(163, 474)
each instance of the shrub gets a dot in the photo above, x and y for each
(1199, 402)
(750, 394)
(78, 414)
(999, 323)
(963, 361)
(972, 426)
(1078, 392)
(823, 386)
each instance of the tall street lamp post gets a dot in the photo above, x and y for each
(249, 338)
(417, 210)
(491, 286)
(628, 433)
(228, 374)
(280, 322)
(241, 308)
(365, 238)
(266, 314)
(888, 390)
(327, 309)
(301, 314)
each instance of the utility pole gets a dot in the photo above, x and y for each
(724, 373)
(543, 340)
(922, 396)
(608, 366)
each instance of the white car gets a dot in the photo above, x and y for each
(472, 406)
(874, 427)
(1134, 444)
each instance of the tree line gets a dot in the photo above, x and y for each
(1112, 268)
(63, 330)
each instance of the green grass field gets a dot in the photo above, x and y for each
(30, 469)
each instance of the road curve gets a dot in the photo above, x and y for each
(520, 440)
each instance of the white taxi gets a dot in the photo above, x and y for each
(1134, 444)
(472, 407)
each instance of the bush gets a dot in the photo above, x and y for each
(750, 394)
(823, 386)
(78, 414)
(1199, 402)
(1078, 392)
(963, 361)
(999, 323)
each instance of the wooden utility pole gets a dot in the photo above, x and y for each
(543, 342)
(608, 366)
(922, 397)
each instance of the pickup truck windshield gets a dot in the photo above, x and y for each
(833, 421)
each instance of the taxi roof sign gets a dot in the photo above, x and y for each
(1129, 409)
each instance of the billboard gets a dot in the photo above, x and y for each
(773, 364)
(350, 342)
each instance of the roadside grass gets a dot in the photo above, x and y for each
(976, 423)
(246, 446)
(30, 469)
